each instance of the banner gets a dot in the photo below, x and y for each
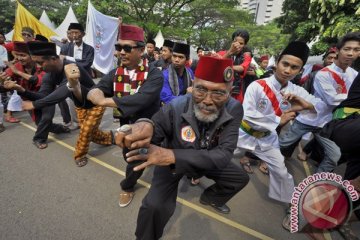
(101, 34)
(24, 18)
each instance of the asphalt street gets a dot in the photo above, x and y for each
(43, 195)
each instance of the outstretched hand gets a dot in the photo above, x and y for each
(139, 137)
(156, 156)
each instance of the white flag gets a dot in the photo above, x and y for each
(101, 33)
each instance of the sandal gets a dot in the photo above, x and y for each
(11, 120)
(40, 145)
(81, 161)
(245, 163)
(346, 232)
(263, 168)
(286, 223)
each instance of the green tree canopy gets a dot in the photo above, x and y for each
(201, 23)
(326, 19)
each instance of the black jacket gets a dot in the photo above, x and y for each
(177, 127)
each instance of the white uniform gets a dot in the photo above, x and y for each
(327, 89)
(260, 115)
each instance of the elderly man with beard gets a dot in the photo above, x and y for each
(177, 77)
(194, 134)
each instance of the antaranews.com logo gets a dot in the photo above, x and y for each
(322, 200)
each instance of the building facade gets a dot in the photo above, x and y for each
(263, 10)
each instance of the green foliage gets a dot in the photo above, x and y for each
(328, 19)
(56, 10)
(201, 23)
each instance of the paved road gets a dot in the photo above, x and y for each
(43, 195)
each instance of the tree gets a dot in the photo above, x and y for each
(56, 10)
(326, 20)
(336, 18)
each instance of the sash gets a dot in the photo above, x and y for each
(124, 85)
(340, 82)
(271, 95)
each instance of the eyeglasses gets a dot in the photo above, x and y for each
(127, 48)
(26, 34)
(216, 95)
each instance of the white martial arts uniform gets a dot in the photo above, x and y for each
(260, 115)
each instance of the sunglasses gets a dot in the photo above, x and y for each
(127, 48)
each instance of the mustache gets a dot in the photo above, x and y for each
(202, 106)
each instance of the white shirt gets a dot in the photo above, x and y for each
(77, 53)
(3, 57)
(325, 88)
(260, 114)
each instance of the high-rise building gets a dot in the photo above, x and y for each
(263, 10)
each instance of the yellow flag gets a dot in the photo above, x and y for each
(24, 18)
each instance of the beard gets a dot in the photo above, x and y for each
(206, 118)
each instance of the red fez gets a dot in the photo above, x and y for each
(21, 47)
(264, 57)
(213, 69)
(131, 32)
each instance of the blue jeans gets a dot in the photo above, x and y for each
(290, 139)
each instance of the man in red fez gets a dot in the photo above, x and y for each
(193, 135)
(133, 90)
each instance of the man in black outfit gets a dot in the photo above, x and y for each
(197, 133)
(133, 90)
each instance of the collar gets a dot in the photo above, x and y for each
(276, 83)
(80, 47)
(336, 68)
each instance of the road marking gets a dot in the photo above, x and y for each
(179, 200)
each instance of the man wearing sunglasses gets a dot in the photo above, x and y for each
(194, 134)
(133, 90)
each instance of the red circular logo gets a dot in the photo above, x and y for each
(325, 205)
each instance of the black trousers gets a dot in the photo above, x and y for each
(346, 134)
(160, 202)
(131, 176)
(44, 121)
(65, 111)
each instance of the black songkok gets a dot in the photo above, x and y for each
(182, 48)
(42, 48)
(41, 38)
(76, 26)
(297, 49)
(151, 41)
(168, 43)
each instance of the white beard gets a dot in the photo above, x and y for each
(206, 118)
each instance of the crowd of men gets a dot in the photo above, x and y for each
(188, 117)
